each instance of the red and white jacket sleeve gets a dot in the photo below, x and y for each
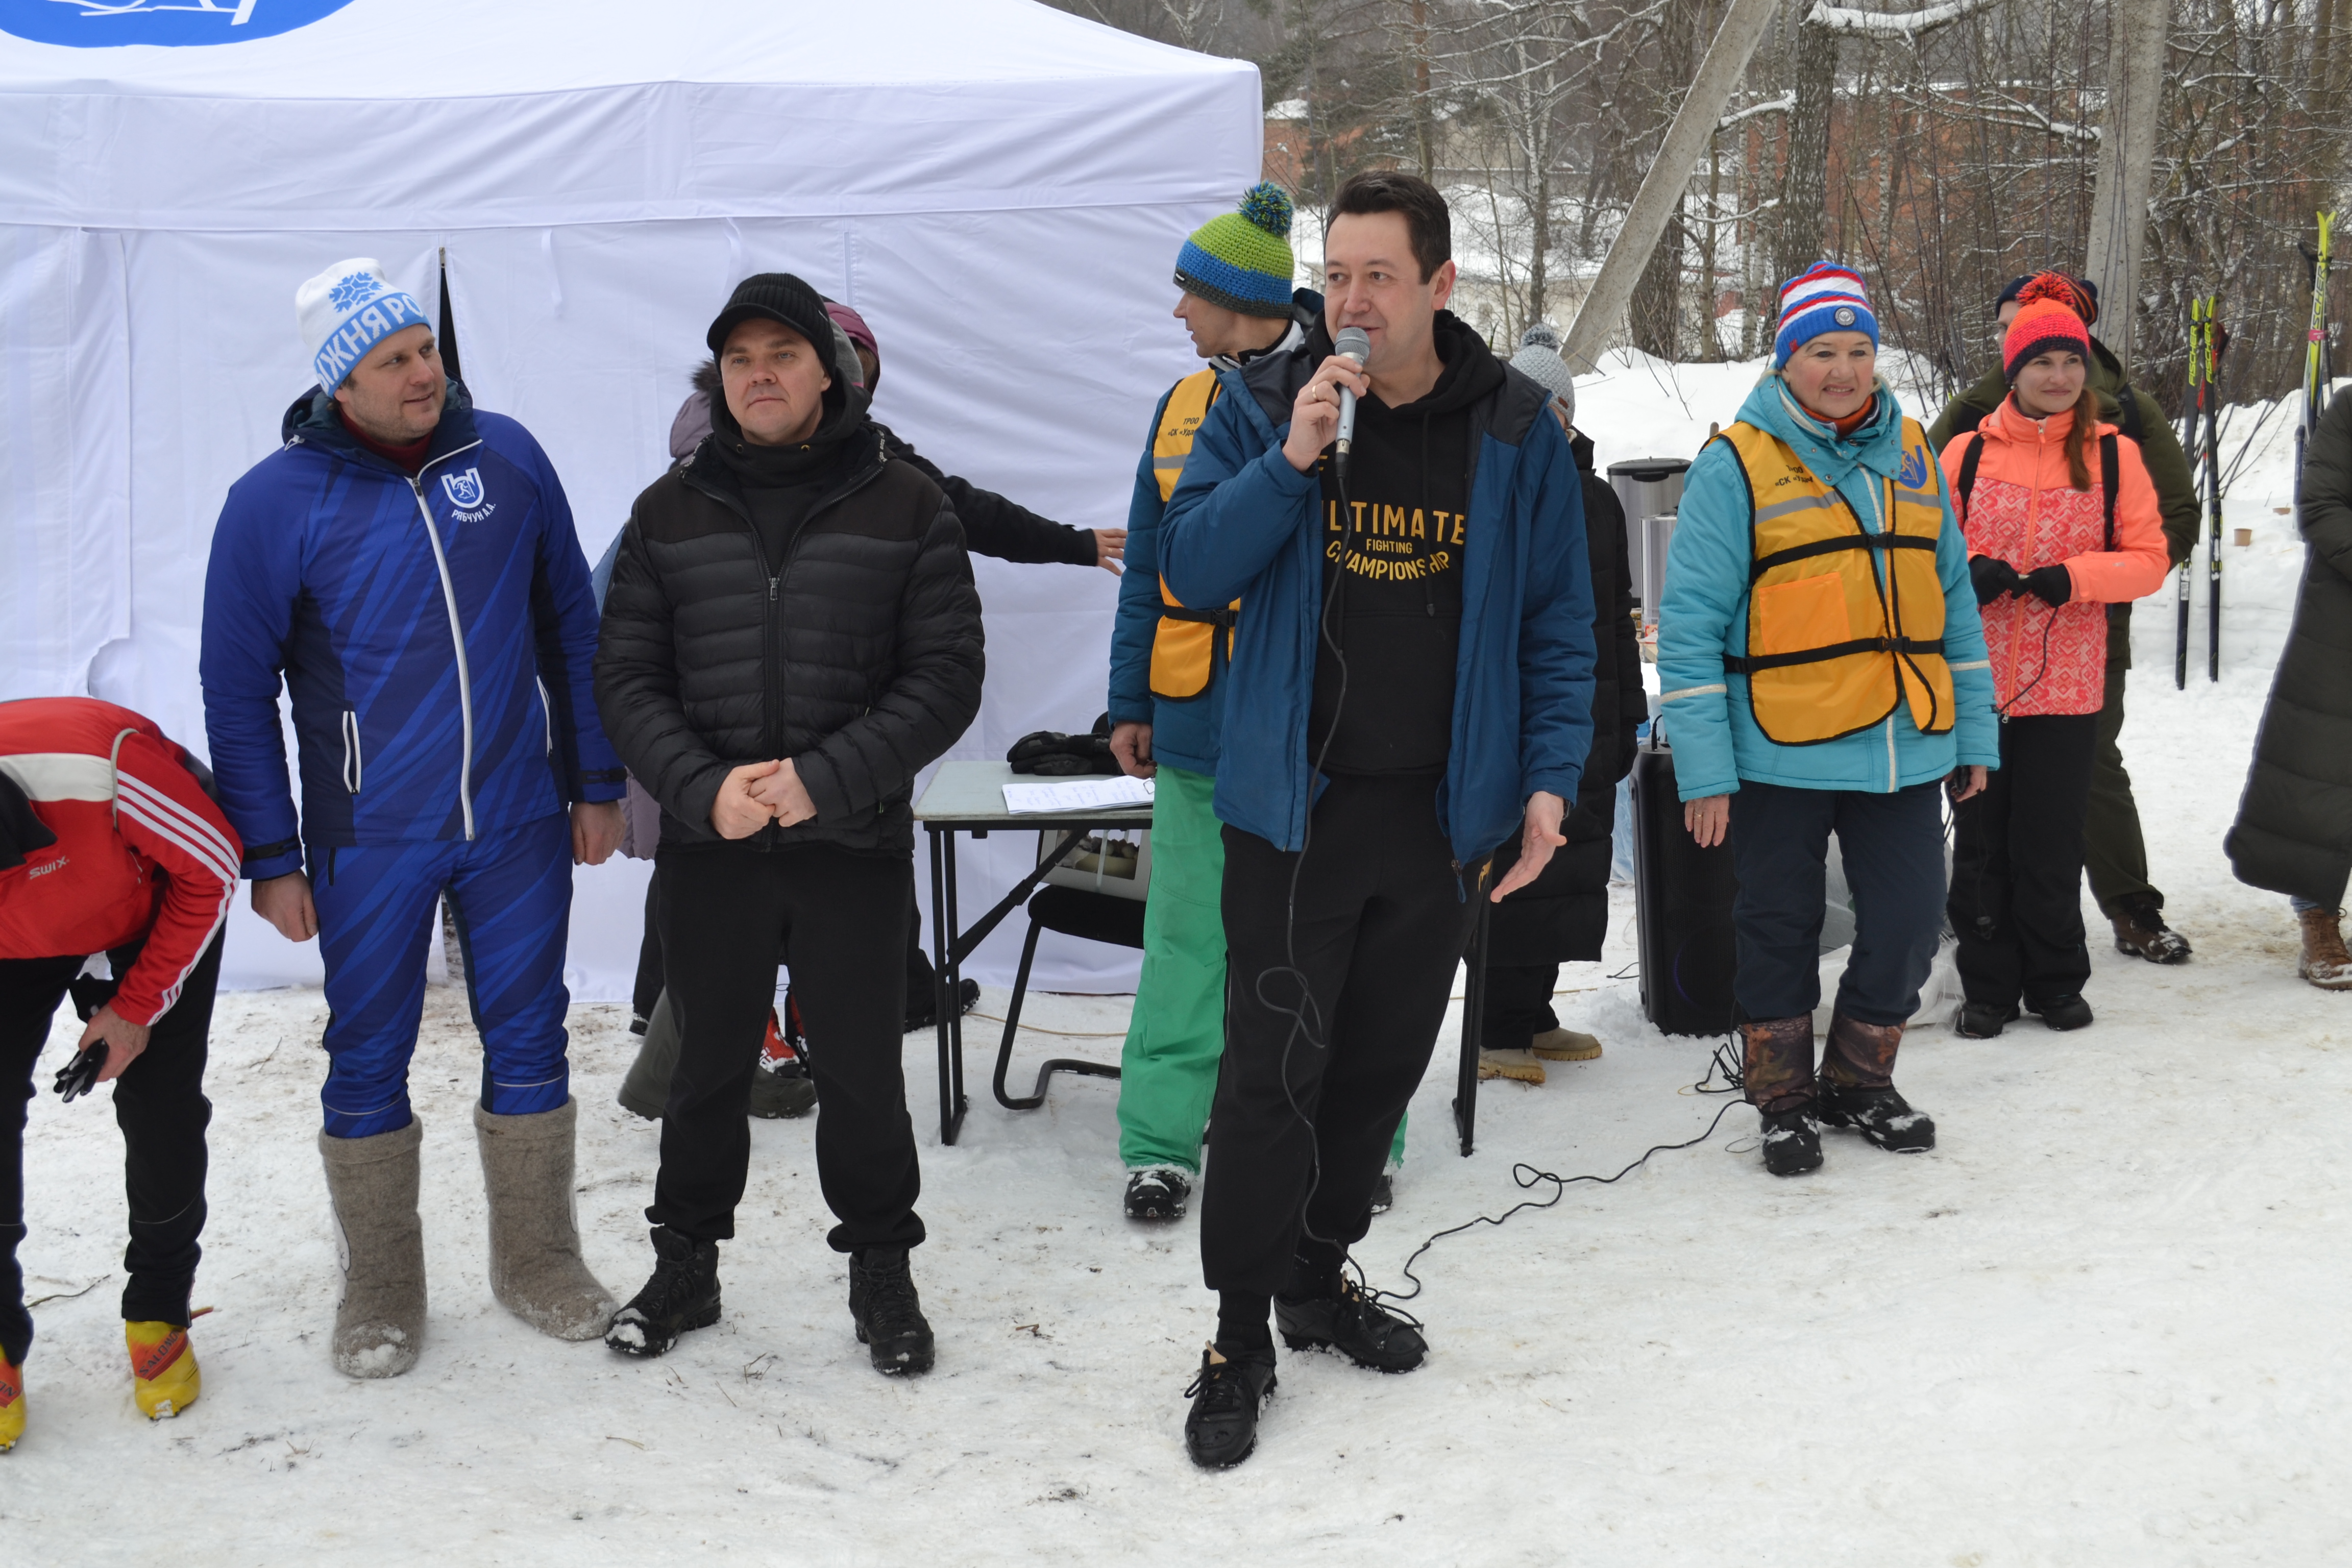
(164, 815)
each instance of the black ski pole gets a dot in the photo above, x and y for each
(2192, 404)
(2216, 338)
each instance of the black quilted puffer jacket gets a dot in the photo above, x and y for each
(860, 660)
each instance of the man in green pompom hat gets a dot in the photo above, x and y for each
(1167, 697)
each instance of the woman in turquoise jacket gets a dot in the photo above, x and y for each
(1822, 668)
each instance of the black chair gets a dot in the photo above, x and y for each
(1072, 911)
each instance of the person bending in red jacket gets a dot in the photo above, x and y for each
(109, 844)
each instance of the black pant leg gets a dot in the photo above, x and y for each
(1518, 1004)
(845, 942)
(1780, 846)
(160, 1104)
(1409, 944)
(921, 977)
(30, 990)
(1892, 849)
(1282, 989)
(2056, 756)
(1979, 901)
(721, 920)
(648, 987)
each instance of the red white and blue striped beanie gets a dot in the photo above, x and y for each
(1823, 298)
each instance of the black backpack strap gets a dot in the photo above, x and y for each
(2110, 478)
(1967, 480)
(2128, 417)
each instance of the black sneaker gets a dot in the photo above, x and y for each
(1353, 1324)
(1881, 1115)
(1983, 1020)
(1792, 1140)
(784, 1090)
(1222, 1427)
(923, 1012)
(889, 1314)
(2066, 1013)
(1158, 1194)
(1384, 1192)
(683, 1294)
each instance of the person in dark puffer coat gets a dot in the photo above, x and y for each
(791, 634)
(1563, 915)
(2293, 833)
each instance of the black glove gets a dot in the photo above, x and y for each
(1993, 577)
(2051, 584)
(80, 1076)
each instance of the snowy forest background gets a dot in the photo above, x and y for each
(1940, 150)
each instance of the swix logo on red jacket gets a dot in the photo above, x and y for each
(107, 837)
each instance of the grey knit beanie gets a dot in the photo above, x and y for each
(1538, 359)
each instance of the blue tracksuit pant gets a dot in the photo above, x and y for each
(512, 893)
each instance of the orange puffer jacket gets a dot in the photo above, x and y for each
(2025, 510)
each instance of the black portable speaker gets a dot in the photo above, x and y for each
(1682, 902)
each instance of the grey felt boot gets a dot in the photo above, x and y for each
(372, 1183)
(536, 1271)
(645, 1088)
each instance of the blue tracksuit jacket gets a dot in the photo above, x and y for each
(1244, 524)
(436, 636)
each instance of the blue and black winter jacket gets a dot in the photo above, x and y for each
(435, 634)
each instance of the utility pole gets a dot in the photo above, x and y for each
(2127, 154)
(1669, 176)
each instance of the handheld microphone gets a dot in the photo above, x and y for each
(1356, 344)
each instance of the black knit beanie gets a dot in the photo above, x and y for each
(778, 297)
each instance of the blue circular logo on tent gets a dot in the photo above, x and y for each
(103, 24)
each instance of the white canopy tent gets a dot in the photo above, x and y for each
(999, 187)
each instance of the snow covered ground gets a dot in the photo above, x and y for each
(2097, 1325)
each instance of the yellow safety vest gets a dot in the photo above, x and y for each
(1184, 647)
(1833, 645)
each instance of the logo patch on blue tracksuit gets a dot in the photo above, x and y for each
(464, 490)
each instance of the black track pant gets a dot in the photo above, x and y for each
(840, 922)
(1381, 922)
(159, 1103)
(1518, 1004)
(2017, 865)
(648, 988)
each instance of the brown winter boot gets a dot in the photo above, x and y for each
(1858, 1087)
(2324, 963)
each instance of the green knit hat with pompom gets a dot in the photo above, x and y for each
(1242, 259)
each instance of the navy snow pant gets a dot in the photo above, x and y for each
(1893, 846)
(512, 895)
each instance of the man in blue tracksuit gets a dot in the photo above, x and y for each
(407, 565)
(1411, 678)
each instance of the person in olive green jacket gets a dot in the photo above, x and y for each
(2114, 852)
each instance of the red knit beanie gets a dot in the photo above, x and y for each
(2042, 325)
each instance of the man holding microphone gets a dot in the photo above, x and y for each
(1415, 678)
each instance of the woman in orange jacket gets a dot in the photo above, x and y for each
(2060, 521)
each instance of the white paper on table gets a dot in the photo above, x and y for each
(1077, 795)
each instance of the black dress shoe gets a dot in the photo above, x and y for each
(1221, 1429)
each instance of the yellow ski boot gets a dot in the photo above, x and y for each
(163, 1369)
(11, 1404)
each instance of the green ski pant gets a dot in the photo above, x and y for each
(2115, 854)
(1168, 1068)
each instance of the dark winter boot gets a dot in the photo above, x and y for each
(782, 1090)
(2066, 1013)
(1222, 1427)
(683, 1294)
(1791, 1140)
(1858, 1087)
(1983, 1020)
(889, 1314)
(2141, 931)
(923, 1009)
(1350, 1322)
(1158, 1194)
(1777, 1061)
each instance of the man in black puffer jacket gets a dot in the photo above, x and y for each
(790, 635)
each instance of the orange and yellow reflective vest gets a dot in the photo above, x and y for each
(1185, 648)
(1835, 645)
